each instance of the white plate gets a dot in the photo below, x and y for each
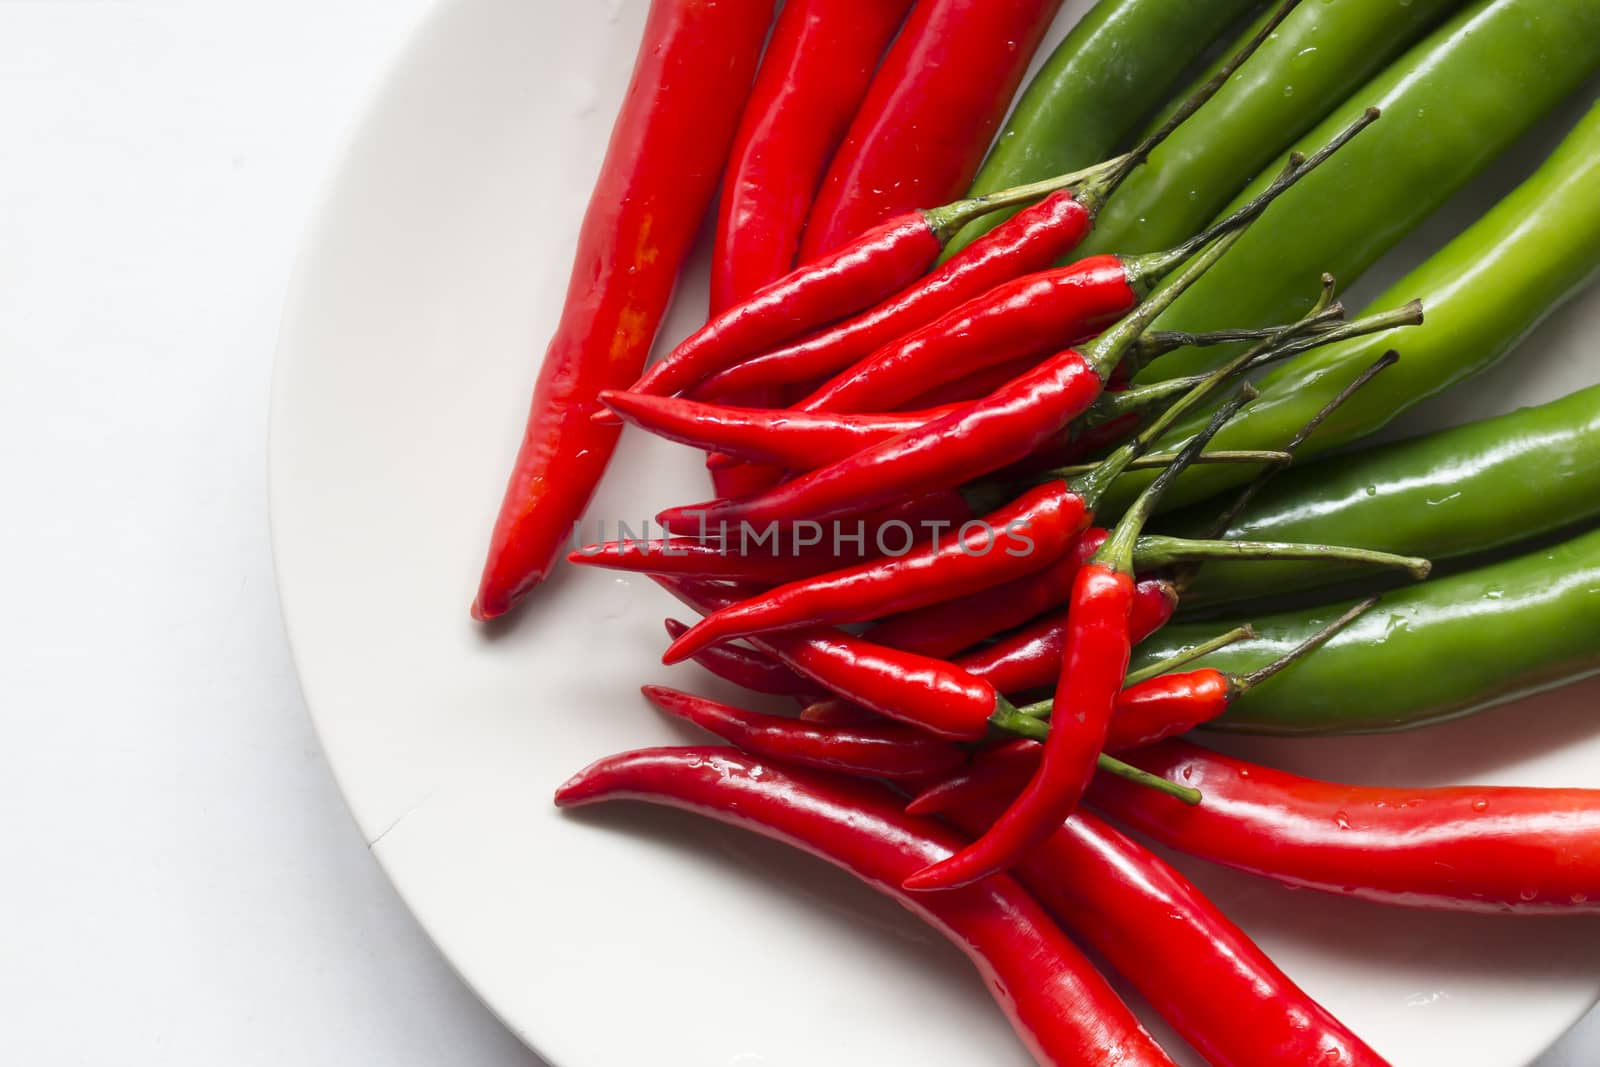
(430, 281)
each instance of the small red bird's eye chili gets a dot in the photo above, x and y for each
(815, 71)
(929, 115)
(1093, 666)
(1199, 971)
(882, 750)
(1150, 709)
(879, 261)
(750, 669)
(1059, 1005)
(1459, 848)
(938, 697)
(660, 173)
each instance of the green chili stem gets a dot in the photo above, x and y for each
(1154, 552)
(1163, 459)
(1244, 683)
(1117, 551)
(949, 218)
(1111, 765)
(1182, 659)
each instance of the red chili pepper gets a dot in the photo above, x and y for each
(814, 74)
(797, 440)
(1199, 971)
(970, 387)
(1059, 1005)
(942, 454)
(940, 698)
(929, 116)
(885, 750)
(1093, 666)
(750, 669)
(661, 170)
(992, 778)
(1015, 540)
(1459, 848)
(1029, 241)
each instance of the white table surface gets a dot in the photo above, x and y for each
(182, 883)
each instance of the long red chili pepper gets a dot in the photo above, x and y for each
(1017, 539)
(1093, 666)
(939, 697)
(1199, 971)
(661, 170)
(929, 116)
(750, 669)
(1459, 848)
(882, 750)
(814, 74)
(1059, 1005)
(788, 438)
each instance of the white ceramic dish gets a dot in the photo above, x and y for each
(428, 286)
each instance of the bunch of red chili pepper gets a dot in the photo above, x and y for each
(909, 457)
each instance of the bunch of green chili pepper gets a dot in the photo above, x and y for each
(940, 437)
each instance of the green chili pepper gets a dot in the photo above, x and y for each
(1441, 496)
(1480, 294)
(1449, 105)
(1118, 63)
(1427, 652)
(1320, 54)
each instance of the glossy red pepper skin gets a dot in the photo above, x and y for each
(953, 625)
(1060, 1006)
(688, 557)
(945, 453)
(1093, 666)
(974, 386)
(1199, 971)
(1167, 705)
(938, 697)
(1031, 657)
(929, 115)
(795, 440)
(750, 669)
(879, 262)
(882, 750)
(1029, 241)
(1464, 848)
(661, 170)
(813, 76)
(991, 779)
(1015, 540)
(1027, 317)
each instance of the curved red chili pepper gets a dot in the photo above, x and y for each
(939, 697)
(1199, 971)
(660, 173)
(883, 750)
(1029, 241)
(798, 440)
(1092, 668)
(772, 563)
(750, 669)
(813, 76)
(1059, 1005)
(929, 115)
(1026, 318)
(1018, 539)
(1460, 848)
(944, 453)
